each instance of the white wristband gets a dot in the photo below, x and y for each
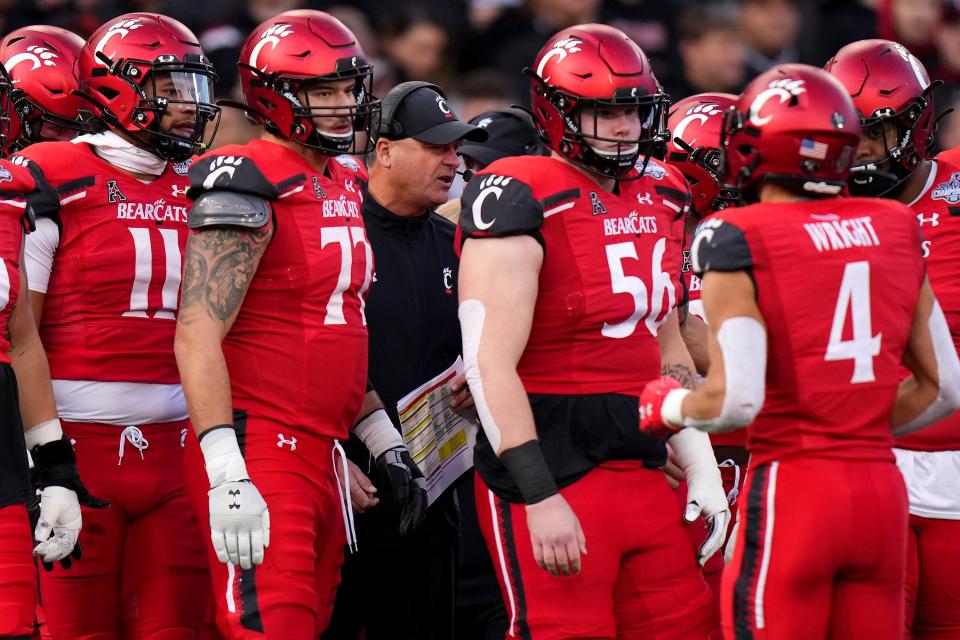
(43, 433)
(221, 455)
(670, 409)
(377, 432)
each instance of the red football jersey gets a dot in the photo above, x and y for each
(14, 181)
(111, 303)
(297, 353)
(951, 156)
(837, 284)
(938, 212)
(611, 269)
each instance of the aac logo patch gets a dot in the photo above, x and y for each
(113, 192)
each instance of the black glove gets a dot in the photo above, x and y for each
(408, 485)
(44, 201)
(55, 464)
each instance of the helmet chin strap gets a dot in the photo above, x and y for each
(870, 181)
(631, 150)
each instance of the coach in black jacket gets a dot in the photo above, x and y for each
(400, 587)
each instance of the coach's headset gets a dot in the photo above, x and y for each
(389, 128)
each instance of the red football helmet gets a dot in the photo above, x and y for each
(694, 148)
(794, 125)
(289, 55)
(40, 61)
(139, 67)
(596, 66)
(888, 85)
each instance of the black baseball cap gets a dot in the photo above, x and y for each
(512, 133)
(424, 115)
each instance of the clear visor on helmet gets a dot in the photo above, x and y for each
(177, 105)
(183, 87)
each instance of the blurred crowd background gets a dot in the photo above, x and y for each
(476, 49)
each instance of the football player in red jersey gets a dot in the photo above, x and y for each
(40, 61)
(894, 97)
(568, 283)
(694, 148)
(272, 338)
(26, 401)
(104, 280)
(834, 290)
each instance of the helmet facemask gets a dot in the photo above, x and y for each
(604, 156)
(40, 125)
(886, 176)
(710, 161)
(186, 95)
(6, 110)
(331, 129)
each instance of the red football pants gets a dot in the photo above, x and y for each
(820, 553)
(933, 579)
(18, 578)
(639, 579)
(290, 595)
(143, 573)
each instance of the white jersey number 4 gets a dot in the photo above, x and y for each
(854, 300)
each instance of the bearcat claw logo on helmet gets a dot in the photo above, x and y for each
(561, 49)
(121, 29)
(783, 89)
(698, 113)
(36, 55)
(271, 35)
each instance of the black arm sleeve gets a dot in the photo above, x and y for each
(719, 245)
(495, 206)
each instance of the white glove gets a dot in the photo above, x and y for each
(705, 495)
(59, 516)
(239, 523)
(239, 519)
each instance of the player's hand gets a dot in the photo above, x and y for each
(58, 525)
(58, 495)
(239, 523)
(556, 536)
(672, 471)
(408, 485)
(462, 400)
(707, 500)
(362, 492)
(651, 405)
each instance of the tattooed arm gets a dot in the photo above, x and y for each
(219, 266)
(29, 361)
(675, 360)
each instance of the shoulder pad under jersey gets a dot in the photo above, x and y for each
(719, 245)
(496, 206)
(238, 174)
(218, 208)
